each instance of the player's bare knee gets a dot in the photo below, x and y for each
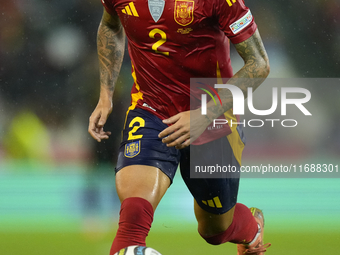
(213, 224)
(214, 233)
(206, 231)
(210, 238)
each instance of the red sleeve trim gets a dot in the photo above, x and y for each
(108, 7)
(244, 35)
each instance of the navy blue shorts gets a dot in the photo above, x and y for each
(141, 146)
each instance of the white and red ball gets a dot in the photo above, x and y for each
(137, 250)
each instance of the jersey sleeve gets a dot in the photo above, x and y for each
(108, 6)
(235, 19)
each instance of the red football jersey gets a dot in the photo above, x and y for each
(172, 41)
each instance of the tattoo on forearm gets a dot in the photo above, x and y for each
(252, 74)
(256, 59)
(110, 44)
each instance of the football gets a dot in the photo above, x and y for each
(137, 250)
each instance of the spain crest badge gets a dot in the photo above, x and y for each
(132, 149)
(184, 12)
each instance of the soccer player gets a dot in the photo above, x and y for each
(170, 42)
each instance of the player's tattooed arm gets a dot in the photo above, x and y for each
(110, 47)
(110, 44)
(252, 74)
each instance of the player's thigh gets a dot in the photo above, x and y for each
(145, 164)
(147, 182)
(215, 198)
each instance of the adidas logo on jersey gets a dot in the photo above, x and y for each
(130, 10)
(230, 3)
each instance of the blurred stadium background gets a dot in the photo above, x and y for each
(57, 193)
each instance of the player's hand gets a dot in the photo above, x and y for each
(179, 134)
(98, 119)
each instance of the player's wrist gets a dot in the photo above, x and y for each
(204, 120)
(105, 101)
(106, 95)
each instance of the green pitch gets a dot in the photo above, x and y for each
(42, 214)
(293, 243)
(185, 242)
